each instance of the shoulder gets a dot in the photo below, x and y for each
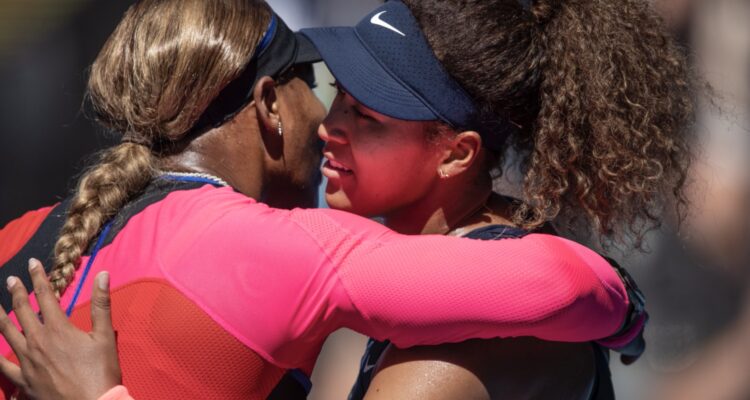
(17, 233)
(33, 217)
(275, 279)
(486, 369)
(228, 209)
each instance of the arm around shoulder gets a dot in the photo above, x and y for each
(540, 285)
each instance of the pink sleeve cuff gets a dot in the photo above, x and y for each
(117, 393)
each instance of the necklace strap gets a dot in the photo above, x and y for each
(193, 177)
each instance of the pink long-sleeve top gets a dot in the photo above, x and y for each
(273, 284)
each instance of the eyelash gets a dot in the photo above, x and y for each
(357, 112)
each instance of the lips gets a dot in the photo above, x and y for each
(338, 166)
(335, 169)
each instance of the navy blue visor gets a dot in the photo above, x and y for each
(386, 63)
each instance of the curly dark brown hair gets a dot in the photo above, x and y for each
(603, 95)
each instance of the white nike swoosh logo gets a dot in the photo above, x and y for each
(368, 368)
(379, 22)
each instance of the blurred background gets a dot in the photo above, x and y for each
(695, 280)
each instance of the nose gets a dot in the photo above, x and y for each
(329, 132)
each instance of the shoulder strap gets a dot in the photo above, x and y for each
(496, 232)
(156, 191)
(41, 244)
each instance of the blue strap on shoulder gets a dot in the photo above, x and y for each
(108, 226)
(86, 270)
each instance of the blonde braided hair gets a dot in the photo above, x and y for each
(159, 71)
(122, 171)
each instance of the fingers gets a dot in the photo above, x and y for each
(45, 295)
(101, 315)
(12, 335)
(12, 372)
(25, 315)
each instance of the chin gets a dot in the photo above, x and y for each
(338, 201)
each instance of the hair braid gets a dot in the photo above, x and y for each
(122, 171)
(166, 61)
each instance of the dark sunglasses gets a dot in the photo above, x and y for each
(306, 72)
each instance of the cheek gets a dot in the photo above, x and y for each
(310, 111)
(384, 173)
(306, 143)
(315, 113)
(391, 179)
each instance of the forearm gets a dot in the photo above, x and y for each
(434, 290)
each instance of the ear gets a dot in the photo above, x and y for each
(267, 104)
(266, 99)
(461, 152)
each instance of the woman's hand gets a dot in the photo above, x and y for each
(57, 360)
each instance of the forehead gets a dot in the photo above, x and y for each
(388, 130)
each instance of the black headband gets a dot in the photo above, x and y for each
(279, 49)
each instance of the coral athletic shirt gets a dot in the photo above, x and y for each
(216, 295)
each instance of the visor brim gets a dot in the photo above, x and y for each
(363, 77)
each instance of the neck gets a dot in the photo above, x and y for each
(223, 153)
(442, 210)
(421, 218)
(453, 208)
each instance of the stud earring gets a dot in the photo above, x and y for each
(281, 129)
